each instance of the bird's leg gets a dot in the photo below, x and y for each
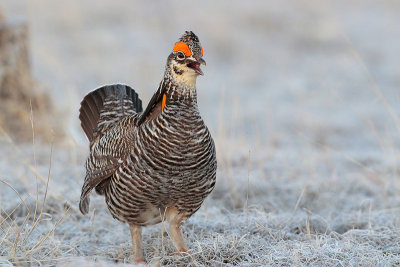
(175, 221)
(136, 233)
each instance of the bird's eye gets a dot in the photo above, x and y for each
(180, 55)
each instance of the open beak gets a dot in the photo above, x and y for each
(202, 61)
(195, 65)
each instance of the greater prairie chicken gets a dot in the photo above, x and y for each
(152, 164)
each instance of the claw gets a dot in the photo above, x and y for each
(183, 250)
(140, 260)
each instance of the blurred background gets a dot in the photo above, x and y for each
(307, 85)
(300, 96)
(274, 68)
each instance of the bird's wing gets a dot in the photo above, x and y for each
(106, 114)
(106, 156)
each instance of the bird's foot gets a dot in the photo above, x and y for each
(181, 252)
(140, 260)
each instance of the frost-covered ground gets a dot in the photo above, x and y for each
(302, 98)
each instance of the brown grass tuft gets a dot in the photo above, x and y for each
(19, 93)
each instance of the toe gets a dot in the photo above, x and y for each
(140, 260)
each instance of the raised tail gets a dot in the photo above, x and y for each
(106, 105)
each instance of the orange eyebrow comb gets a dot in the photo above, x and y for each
(181, 46)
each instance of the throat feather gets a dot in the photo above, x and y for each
(177, 71)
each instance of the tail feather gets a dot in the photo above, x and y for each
(104, 106)
(88, 116)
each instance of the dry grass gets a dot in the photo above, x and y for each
(20, 95)
(308, 157)
(15, 115)
(281, 225)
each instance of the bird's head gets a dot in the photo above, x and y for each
(185, 60)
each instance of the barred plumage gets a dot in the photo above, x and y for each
(158, 162)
